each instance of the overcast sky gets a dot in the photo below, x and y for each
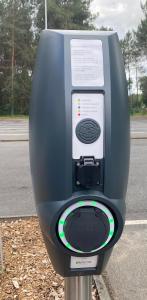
(120, 15)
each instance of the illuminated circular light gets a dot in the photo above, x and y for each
(81, 203)
(70, 209)
(62, 222)
(68, 246)
(111, 220)
(111, 232)
(61, 234)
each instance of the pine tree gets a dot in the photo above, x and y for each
(16, 54)
(143, 87)
(141, 33)
(66, 14)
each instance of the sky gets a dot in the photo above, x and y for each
(120, 15)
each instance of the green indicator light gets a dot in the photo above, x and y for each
(94, 203)
(111, 233)
(68, 210)
(81, 203)
(68, 246)
(62, 222)
(61, 234)
(105, 211)
(104, 244)
(111, 221)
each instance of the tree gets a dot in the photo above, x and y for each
(16, 52)
(66, 14)
(127, 45)
(104, 28)
(143, 87)
(141, 33)
(131, 55)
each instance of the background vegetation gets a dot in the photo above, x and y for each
(20, 24)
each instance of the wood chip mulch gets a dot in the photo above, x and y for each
(28, 273)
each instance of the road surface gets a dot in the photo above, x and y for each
(13, 129)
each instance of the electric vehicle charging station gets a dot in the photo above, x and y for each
(79, 148)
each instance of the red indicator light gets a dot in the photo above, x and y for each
(78, 114)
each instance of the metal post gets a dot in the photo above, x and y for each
(45, 12)
(78, 288)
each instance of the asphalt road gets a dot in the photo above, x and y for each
(16, 196)
(139, 125)
(137, 187)
(13, 129)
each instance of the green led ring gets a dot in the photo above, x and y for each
(74, 206)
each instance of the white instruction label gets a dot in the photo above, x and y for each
(83, 262)
(87, 62)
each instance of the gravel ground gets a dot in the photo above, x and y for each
(28, 273)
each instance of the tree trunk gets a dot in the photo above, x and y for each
(12, 63)
(137, 86)
(129, 89)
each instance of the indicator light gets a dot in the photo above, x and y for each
(81, 203)
(104, 244)
(68, 245)
(61, 234)
(111, 233)
(111, 221)
(62, 222)
(71, 209)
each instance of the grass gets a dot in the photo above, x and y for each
(139, 114)
(14, 117)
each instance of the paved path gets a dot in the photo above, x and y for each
(139, 127)
(16, 196)
(126, 273)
